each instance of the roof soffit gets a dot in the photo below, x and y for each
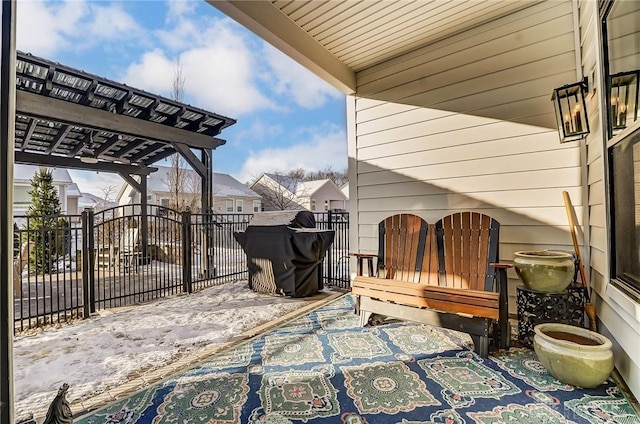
(336, 40)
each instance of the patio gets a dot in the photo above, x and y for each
(321, 367)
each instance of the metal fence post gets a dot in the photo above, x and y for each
(187, 285)
(87, 269)
(91, 259)
(330, 269)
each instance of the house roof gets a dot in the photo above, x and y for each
(298, 187)
(224, 185)
(24, 173)
(336, 40)
(309, 188)
(73, 190)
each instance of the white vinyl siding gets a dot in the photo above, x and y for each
(467, 124)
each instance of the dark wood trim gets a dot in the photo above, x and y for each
(28, 133)
(191, 158)
(62, 133)
(39, 106)
(67, 162)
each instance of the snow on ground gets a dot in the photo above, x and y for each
(100, 353)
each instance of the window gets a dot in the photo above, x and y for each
(622, 64)
(164, 202)
(625, 185)
(621, 29)
(313, 204)
(239, 205)
(256, 206)
(229, 205)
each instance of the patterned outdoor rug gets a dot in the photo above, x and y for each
(323, 368)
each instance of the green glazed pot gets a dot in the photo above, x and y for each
(574, 355)
(544, 270)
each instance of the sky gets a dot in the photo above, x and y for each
(114, 346)
(286, 116)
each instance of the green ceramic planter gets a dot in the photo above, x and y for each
(574, 355)
(545, 270)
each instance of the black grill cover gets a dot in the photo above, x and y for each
(285, 252)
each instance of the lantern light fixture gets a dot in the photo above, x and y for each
(571, 110)
(623, 99)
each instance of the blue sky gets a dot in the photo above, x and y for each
(287, 117)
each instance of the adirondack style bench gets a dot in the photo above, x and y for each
(444, 274)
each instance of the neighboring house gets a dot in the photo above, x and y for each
(68, 191)
(230, 195)
(345, 190)
(280, 192)
(449, 109)
(96, 203)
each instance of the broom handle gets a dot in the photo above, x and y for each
(572, 224)
(589, 308)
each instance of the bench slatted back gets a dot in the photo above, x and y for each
(467, 244)
(406, 249)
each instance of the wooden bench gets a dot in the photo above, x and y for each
(444, 274)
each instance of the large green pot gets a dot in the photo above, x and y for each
(574, 355)
(545, 270)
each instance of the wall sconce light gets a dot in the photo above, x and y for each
(624, 99)
(571, 110)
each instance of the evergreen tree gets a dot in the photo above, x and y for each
(44, 220)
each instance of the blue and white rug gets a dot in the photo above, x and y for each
(324, 368)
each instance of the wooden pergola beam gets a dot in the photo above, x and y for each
(67, 162)
(36, 105)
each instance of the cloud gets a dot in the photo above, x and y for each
(110, 23)
(179, 8)
(322, 147)
(154, 72)
(295, 82)
(218, 69)
(257, 131)
(47, 28)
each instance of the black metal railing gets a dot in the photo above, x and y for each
(68, 267)
(336, 262)
(47, 268)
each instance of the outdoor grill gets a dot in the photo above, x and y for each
(285, 252)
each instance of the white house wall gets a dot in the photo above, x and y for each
(330, 194)
(619, 316)
(467, 124)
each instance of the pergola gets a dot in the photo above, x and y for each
(72, 119)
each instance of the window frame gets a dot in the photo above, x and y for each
(631, 289)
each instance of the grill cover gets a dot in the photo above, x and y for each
(285, 252)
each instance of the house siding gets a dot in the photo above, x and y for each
(618, 315)
(330, 194)
(467, 124)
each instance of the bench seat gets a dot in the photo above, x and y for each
(444, 275)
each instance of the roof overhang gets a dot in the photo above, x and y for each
(336, 40)
(269, 23)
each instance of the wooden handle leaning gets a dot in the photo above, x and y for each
(589, 308)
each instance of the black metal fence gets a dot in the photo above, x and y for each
(69, 266)
(336, 262)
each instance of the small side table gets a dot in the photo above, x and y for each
(362, 257)
(536, 307)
